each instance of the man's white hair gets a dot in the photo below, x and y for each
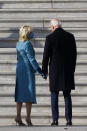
(55, 22)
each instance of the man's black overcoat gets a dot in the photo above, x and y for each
(60, 54)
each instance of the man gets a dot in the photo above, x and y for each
(60, 53)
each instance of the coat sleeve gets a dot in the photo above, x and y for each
(46, 56)
(74, 51)
(31, 57)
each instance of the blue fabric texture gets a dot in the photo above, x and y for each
(40, 72)
(30, 35)
(25, 73)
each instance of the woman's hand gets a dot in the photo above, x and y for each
(42, 74)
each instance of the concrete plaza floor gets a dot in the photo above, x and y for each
(43, 128)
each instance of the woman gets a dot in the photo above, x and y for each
(25, 74)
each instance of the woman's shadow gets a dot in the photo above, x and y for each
(13, 38)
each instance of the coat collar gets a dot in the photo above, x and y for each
(58, 29)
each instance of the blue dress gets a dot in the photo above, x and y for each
(25, 73)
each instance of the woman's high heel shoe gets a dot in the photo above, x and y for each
(29, 123)
(19, 122)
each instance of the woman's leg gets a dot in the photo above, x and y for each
(28, 110)
(18, 117)
(19, 106)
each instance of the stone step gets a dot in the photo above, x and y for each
(25, 4)
(11, 77)
(13, 62)
(42, 122)
(42, 4)
(10, 66)
(66, 22)
(78, 97)
(42, 13)
(39, 80)
(44, 10)
(37, 122)
(11, 53)
(82, 55)
(43, 82)
(38, 42)
(41, 1)
(18, 1)
(47, 105)
(81, 70)
(42, 91)
(44, 116)
(43, 110)
(69, 4)
(39, 96)
(41, 32)
(38, 51)
(78, 106)
(39, 115)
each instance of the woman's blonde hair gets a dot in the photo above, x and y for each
(23, 33)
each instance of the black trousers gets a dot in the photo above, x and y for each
(55, 106)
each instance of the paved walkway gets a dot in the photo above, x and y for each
(43, 128)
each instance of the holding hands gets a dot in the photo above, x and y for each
(41, 73)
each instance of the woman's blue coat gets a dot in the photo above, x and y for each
(25, 73)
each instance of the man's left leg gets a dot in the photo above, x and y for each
(68, 107)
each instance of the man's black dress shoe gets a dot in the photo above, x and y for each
(69, 123)
(54, 123)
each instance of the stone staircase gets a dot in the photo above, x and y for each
(37, 13)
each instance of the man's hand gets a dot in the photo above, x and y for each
(46, 75)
